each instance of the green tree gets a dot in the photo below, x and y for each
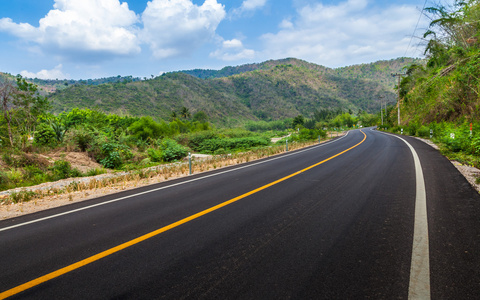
(45, 135)
(22, 105)
(146, 128)
(173, 116)
(7, 92)
(30, 105)
(200, 116)
(298, 120)
(185, 113)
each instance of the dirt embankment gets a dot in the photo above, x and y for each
(78, 160)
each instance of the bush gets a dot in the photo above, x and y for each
(423, 131)
(45, 136)
(111, 154)
(171, 150)
(62, 169)
(31, 171)
(195, 140)
(83, 138)
(411, 129)
(232, 144)
(308, 135)
(146, 128)
(155, 155)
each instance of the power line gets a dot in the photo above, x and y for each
(416, 26)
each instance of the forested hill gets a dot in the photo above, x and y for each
(229, 71)
(270, 90)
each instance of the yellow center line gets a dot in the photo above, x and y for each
(147, 236)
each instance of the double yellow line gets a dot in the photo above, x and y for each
(147, 236)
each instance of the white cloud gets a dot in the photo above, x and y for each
(286, 24)
(55, 73)
(82, 28)
(233, 50)
(253, 4)
(178, 27)
(349, 32)
(248, 6)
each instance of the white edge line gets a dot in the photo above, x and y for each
(166, 187)
(419, 285)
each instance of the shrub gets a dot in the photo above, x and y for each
(154, 155)
(232, 144)
(411, 129)
(111, 156)
(146, 128)
(195, 140)
(31, 171)
(83, 138)
(423, 131)
(308, 135)
(171, 150)
(45, 135)
(62, 169)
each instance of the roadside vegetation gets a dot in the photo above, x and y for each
(29, 134)
(440, 97)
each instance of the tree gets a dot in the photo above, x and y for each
(173, 116)
(29, 105)
(21, 104)
(185, 113)
(200, 116)
(146, 128)
(298, 120)
(7, 92)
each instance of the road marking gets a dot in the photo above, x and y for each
(419, 286)
(165, 187)
(142, 238)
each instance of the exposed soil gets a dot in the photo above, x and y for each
(78, 160)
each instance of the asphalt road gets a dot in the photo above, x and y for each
(341, 228)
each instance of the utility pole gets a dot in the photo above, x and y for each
(381, 107)
(398, 93)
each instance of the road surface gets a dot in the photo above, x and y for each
(340, 220)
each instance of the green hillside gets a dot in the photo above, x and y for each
(270, 90)
(440, 97)
(447, 86)
(379, 71)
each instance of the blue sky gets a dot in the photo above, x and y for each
(82, 39)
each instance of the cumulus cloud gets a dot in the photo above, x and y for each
(178, 27)
(345, 33)
(55, 73)
(93, 30)
(233, 50)
(82, 27)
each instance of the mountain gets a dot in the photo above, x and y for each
(229, 71)
(270, 90)
(49, 86)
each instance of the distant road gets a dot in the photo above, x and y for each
(333, 221)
